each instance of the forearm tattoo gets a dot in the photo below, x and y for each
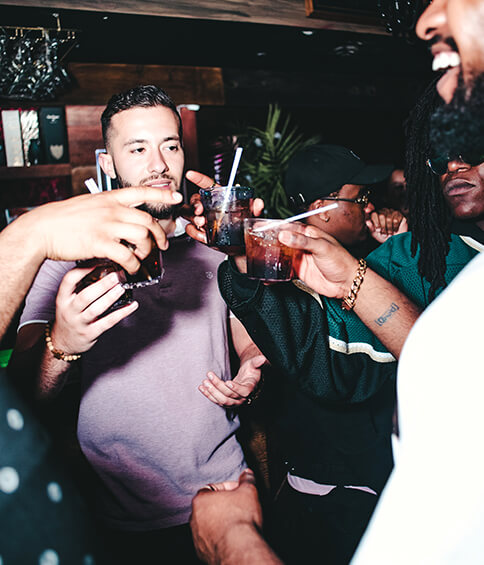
(387, 314)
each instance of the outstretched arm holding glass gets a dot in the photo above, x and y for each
(77, 228)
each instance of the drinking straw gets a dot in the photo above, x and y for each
(298, 216)
(92, 186)
(235, 166)
(233, 172)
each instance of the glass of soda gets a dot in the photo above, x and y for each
(267, 258)
(103, 267)
(150, 272)
(225, 210)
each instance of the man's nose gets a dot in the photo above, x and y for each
(457, 164)
(433, 20)
(157, 163)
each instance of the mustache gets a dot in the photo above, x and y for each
(157, 177)
(450, 41)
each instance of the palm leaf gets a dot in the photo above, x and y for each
(266, 155)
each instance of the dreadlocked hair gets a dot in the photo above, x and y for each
(429, 215)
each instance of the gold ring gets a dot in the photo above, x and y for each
(213, 184)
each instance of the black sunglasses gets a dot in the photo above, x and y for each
(298, 202)
(363, 199)
(438, 165)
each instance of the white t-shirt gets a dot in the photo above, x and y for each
(432, 508)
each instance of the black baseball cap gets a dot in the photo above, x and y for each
(319, 170)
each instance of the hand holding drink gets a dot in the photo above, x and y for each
(225, 209)
(150, 271)
(101, 268)
(267, 258)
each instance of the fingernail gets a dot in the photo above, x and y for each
(113, 277)
(285, 237)
(229, 384)
(119, 290)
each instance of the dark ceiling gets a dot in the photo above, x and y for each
(118, 38)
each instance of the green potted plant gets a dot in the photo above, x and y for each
(265, 157)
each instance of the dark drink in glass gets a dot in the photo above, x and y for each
(150, 272)
(267, 258)
(103, 267)
(225, 210)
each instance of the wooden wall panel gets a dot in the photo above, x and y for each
(84, 133)
(190, 138)
(277, 12)
(84, 136)
(95, 83)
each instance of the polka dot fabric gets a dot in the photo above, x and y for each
(43, 519)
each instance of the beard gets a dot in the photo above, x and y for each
(159, 211)
(457, 128)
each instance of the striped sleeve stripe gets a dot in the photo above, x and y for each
(348, 348)
(356, 347)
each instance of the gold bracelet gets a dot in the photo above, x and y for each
(57, 353)
(348, 302)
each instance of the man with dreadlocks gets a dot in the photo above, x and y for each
(326, 352)
(447, 214)
(335, 367)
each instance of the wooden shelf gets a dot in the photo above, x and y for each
(35, 171)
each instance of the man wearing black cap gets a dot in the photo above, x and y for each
(334, 444)
(319, 174)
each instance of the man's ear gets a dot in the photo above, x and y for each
(107, 165)
(316, 204)
(319, 203)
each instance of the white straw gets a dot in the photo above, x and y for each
(298, 217)
(92, 186)
(235, 166)
(233, 172)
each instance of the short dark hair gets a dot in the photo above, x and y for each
(144, 96)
